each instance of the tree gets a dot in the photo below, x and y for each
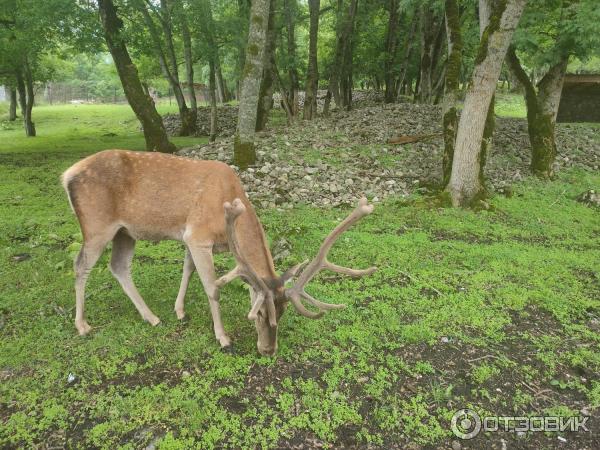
(391, 46)
(312, 74)
(265, 101)
(465, 184)
(340, 83)
(139, 100)
(167, 58)
(244, 153)
(563, 29)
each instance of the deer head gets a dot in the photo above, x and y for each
(269, 298)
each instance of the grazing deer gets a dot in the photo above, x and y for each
(124, 196)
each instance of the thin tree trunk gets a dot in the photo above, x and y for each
(221, 86)
(141, 103)
(485, 11)
(244, 153)
(465, 185)
(284, 96)
(391, 45)
(212, 89)
(451, 95)
(189, 67)
(312, 73)
(408, 46)
(265, 101)
(290, 7)
(12, 109)
(188, 122)
(346, 81)
(542, 107)
(427, 43)
(29, 125)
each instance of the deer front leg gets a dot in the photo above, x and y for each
(203, 260)
(188, 270)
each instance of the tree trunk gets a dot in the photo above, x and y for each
(244, 153)
(189, 67)
(29, 125)
(265, 101)
(465, 184)
(427, 44)
(212, 89)
(485, 11)
(188, 122)
(141, 103)
(244, 12)
(312, 73)
(340, 82)
(290, 7)
(408, 46)
(221, 86)
(451, 94)
(12, 109)
(346, 81)
(391, 45)
(542, 107)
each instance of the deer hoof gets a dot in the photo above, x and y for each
(83, 327)
(180, 314)
(228, 349)
(153, 320)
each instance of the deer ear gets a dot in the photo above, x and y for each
(292, 272)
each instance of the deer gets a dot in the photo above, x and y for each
(124, 196)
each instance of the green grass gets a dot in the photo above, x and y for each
(463, 304)
(510, 105)
(80, 128)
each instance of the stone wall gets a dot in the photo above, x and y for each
(580, 99)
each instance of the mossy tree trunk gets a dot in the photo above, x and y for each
(141, 103)
(451, 93)
(391, 45)
(265, 101)
(244, 153)
(465, 186)
(12, 108)
(542, 107)
(312, 73)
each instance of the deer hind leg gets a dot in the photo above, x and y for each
(88, 256)
(188, 270)
(120, 266)
(203, 261)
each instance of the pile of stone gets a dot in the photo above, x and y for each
(226, 121)
(335, 160)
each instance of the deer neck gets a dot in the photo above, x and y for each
(254, 246)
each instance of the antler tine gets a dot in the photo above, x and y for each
(232, 211)
(296, 292)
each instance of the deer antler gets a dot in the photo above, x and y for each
(243, 269)
(296, 293)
